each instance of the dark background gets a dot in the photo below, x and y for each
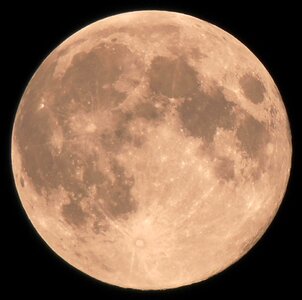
(30, 32)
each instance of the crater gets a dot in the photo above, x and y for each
(22, 181)
(106, 268)
(79, 255)
(140, 243)
(253, 88)
(204, 113)
(196, 54)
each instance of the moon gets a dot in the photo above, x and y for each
(151, 150)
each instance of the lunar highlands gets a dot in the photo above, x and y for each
(151, 150)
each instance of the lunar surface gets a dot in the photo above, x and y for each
(151, 150)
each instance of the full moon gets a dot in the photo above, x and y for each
(151, 150)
